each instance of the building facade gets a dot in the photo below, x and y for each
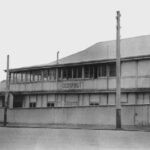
(81, 88)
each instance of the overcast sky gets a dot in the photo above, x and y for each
(32, 31)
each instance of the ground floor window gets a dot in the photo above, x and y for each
(71, 100)
(94, 100)
(33, 101)
(32, 104)
(50, 104)
(94, 103)
(75, 100)
(18, 101)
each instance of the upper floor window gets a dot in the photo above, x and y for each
(87, 72)
(37, 75)
(70, 72)
(27, 77)
(112, 69)
(59, 73)
(52, 74)
(92, 71)
(65, 76)
(19, 77)
(102, 71)
(45, 74)
(77, 72)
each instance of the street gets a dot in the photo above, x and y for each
(71, 139)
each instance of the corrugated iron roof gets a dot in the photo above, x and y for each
(130, 47)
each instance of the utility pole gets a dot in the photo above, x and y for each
(6, 92)
(118, 80)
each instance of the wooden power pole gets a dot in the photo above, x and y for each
(7, 92)
(118, 70)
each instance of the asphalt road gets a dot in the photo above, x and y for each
(71, 139)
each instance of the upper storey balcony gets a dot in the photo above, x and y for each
(135, 74)
(91, 69)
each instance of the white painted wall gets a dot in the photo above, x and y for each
(128, 69)
(131, 98)
(39, 101)
(131, 115)
(103, 99)
(144, 68)
(111, 99)
(44, 100)
(86, 100)
(84, 115)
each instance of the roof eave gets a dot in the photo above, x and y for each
(79, 63)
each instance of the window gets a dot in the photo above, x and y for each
(33, 99)
(64, 73)
(23, 77)
(50, 104)
(18, 101)
(91, 71)
(28, 76)
(95, 71)
(94, 104)
(79, 73)
(32, 104)
(87, 72)
(59, 73)
(69, 72)
(18, 77)
(94, 100)
(37, 75)
(75, 72)
(112, 69)
(52, 74)
(32, 76)
(45, 75)
(102, 70)
(71, 100)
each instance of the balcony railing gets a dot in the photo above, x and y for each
(85, 84)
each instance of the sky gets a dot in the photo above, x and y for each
(32, 31)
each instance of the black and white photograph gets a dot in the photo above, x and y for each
(74, 74)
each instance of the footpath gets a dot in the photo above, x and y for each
(81, 126)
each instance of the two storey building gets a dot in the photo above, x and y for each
(81, 88)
